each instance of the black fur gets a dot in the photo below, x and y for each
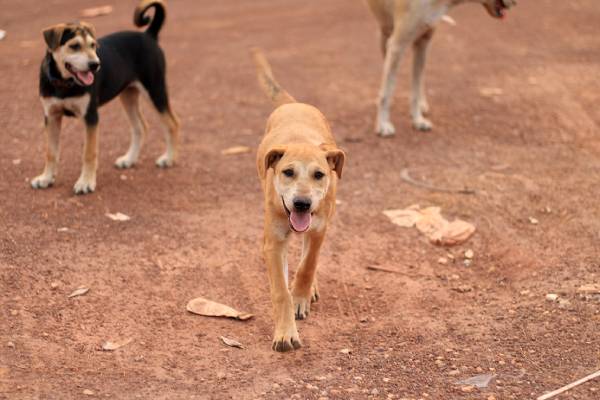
(125, 57)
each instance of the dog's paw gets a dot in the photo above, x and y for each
(84, 185)
(42, 182)
(422, 124)
(289, 340)
(124, 162)
(164, 161)
(302, 306)
(385, 129)
(315, 296)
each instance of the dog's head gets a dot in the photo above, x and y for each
(302, 177)
(73, 47)
(497, 8)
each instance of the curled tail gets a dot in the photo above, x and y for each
(141, 19)
(268, 83)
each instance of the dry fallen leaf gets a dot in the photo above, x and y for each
(406, 218)
(208, 308)
(590, 288)
(96, 11)
(79, 292)
(480, 381)
(236, 150)
(231, 342)
(118, 217)
(431, 223)
(112, 346)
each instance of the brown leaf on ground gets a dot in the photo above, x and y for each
(79, 292)
(208, 308)
(231, 342)
(236, 150)
(112, 346)
(590, 288)
(96, 11)
(431, 223)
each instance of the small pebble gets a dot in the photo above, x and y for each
(551, 297)
(88, 392)
(469, 254)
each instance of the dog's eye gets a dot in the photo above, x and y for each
(93, 45)
(319, 175)
(288, 172)
(75, 46)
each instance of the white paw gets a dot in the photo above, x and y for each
(422, 124)
(124, 162)
(84, 185)
(385, 129)
(164, 161)
(42, 182)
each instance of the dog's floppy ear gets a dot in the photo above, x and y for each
(89, 28)
(53, 35)
(335, 158)
(272, 157)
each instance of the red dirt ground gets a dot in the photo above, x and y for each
(196, 229)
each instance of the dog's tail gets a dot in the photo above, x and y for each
(141, 19)
(268, 83)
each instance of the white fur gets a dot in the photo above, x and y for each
(77, 105)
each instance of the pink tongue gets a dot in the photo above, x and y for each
(87, 78)
(300, 221)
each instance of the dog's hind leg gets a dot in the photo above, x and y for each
(52, 128)
(160, 99)
(395, 48)
(130, 100)
(172, 124)
(304, 286)
(418, 101)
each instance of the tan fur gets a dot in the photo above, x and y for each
(297, 136)
(404, 23)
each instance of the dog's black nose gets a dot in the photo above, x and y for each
(93, 66)
(302, 204)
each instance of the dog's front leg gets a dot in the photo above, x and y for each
(418, 101)
(396, 46)
(286, 336)
(52, 128)
(304, 286)
(87, 180)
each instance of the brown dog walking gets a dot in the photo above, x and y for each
(299, 165)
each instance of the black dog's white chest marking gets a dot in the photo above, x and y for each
(76, 106)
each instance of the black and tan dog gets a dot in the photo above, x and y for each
(79, 74)
(299, 165)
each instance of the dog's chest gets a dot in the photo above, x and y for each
(71, 106)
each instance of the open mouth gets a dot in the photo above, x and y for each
(84, 78)
(299, 221)
(499, 8)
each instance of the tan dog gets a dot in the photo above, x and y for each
(412, 22)
(299, 165)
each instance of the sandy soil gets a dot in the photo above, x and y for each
(530, 151)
